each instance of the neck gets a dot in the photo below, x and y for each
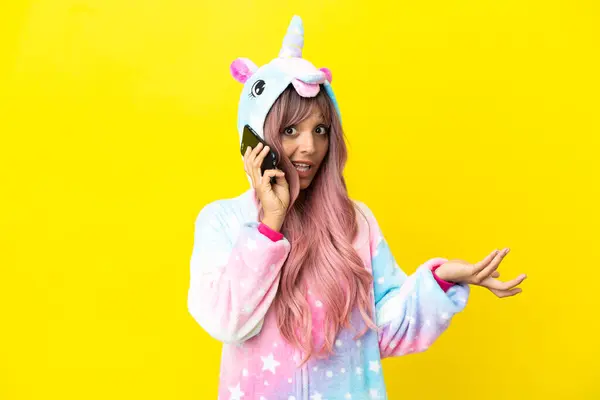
(302, 195)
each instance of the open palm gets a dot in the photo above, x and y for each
(483, 273)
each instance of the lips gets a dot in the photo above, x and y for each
(303, 167)
(305, 162)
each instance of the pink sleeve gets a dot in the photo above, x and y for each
(234, 275)
(270, 233)
(445, 285)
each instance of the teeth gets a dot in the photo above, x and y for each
(301, 167)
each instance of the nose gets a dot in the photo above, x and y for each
(306, 143)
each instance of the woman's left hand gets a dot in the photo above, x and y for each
(483, 273)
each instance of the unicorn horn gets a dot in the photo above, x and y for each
(294, 39)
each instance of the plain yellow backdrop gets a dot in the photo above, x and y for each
(471, 125)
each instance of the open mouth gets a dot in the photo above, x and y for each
(302, 167)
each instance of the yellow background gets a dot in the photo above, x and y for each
(472, 125)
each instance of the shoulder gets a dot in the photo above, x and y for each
(367, 223)
(363, 211)
(217, 213)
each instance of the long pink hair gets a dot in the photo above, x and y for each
(321, 227)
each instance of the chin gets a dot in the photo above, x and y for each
(305, 183)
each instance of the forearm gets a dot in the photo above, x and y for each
(230, 299)
(273, 222)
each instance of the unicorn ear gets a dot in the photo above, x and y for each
(327, 72)
(242, 69)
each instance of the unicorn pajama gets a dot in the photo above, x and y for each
(236, 263)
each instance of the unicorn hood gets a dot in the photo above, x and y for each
(262, 86)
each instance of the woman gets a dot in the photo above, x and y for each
(295, 278)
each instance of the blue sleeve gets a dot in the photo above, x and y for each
(411, 311)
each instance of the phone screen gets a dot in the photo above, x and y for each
(251, 138)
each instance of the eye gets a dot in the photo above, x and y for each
(258, 88)
(322, 130)
(289, 131)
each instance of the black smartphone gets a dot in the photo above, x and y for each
(251, 138)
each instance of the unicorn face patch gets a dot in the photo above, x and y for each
(262, 86)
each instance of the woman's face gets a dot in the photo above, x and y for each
(306, 145)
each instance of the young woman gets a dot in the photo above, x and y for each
(294, 277)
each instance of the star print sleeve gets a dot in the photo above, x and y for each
(410, 311)
(233, 278)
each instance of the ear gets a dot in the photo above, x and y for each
(327, 72)
(242, 69)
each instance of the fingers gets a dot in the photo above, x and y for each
(506, 293)
(258, 162)
(514, 282)
(495, 284)
(247, 165)
(258, 155)
(496, 274)
(254, 164)
(278, 174)
(253, 158)
(483, 263)
(491, 266)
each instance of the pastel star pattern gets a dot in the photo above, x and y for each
(374, 366)
(269, 363)
(236, 392)
(365, 375)
(378, 240)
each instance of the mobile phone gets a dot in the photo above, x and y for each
(251, 138)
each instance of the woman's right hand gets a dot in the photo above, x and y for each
(274, 199)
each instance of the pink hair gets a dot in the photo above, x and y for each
(321, 227)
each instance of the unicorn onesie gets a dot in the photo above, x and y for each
(236, 264)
